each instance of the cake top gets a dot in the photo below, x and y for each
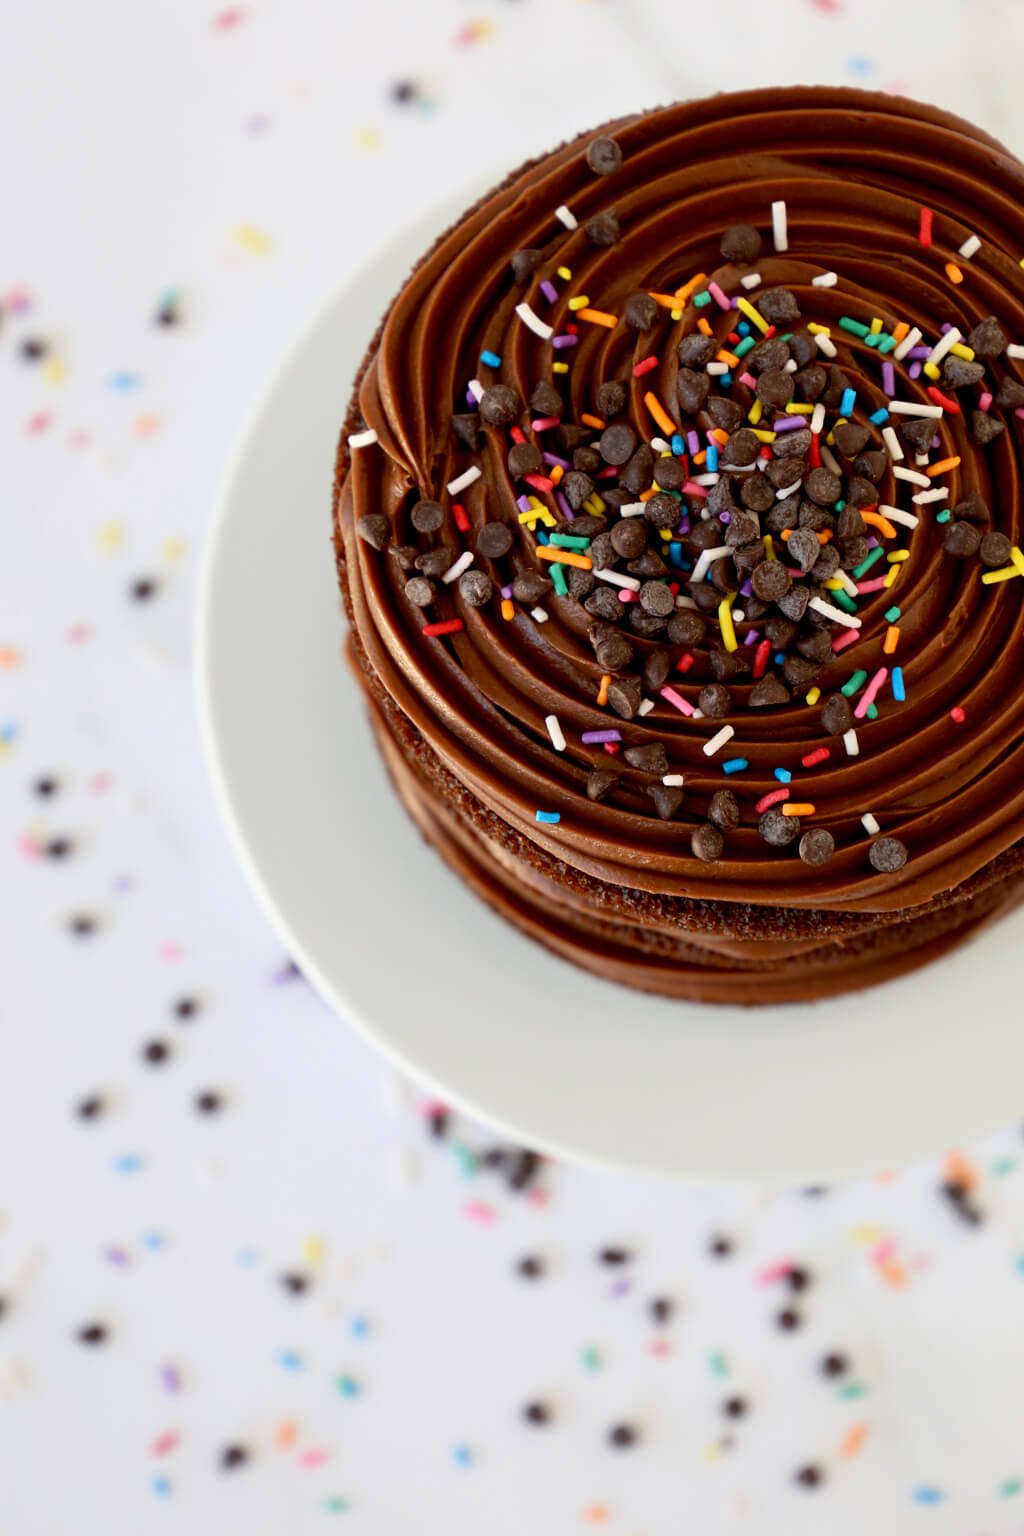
(689, 499)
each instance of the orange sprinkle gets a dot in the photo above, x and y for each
(901, 330)
(894, 1275)
(286, 1434)
(720, 436)
(953, 272)
(941, 467)
(565, 557)
(785, 535)
(508, 608)
(892, 637)
(10, 658)
(602, 692)
(666, 300)
(704, 327)
(959, 1170)
(646, 495)
(598, 317)
(797, 808)
(853, 1440)
(555, 473)
(683, 293)
(701, 458)
(824, 534)
(728, 357)
(596, 1514)
(659, 413)
(593, 421)
(878, 521)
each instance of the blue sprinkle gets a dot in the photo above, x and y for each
(898, 691)
(744, 328)
(848, 402)
(879, 418)
(1018, 1263)
(347, 1386)
(8, 731)
(542, 537)
(358, 1327)
(245, 1257)
(677, 444)
(780, 657)
(491, 359)
(735, 765)
(161, 1486)
(783, 775)
(289, 1360)
(124, 381)
(550, 818)
(712, 459)
(462, 1455)
(928, 1496)
(859, 65)
(725, 381)
(154, 1241)
(128, 1162)
(675, 555)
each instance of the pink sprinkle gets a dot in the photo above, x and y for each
(771, 798)
(626, 596)
(543, 423)
(170, 951)
(692, 489)
(984, 400)
(232, 17)
(748, 381)
(882, 1252)
(874, 585)
(719, 297)
(100, 783)
(80, 439)
(1019, 412)
(164, 1443)
(845, 639)
(78, 634)
(480, 1212)
(38, 423)
(17, 301)
(428, 1108)
(313, 1458)
(676, 700)
(28, 847)
(773, 1272)
(661, 1348)
(538, 1195)
(867, 698)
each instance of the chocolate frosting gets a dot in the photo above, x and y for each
(854, 169)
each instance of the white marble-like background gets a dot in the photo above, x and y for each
(250, 157)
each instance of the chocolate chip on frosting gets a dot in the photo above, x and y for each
(500, 405)
(695, 350)
(961, 539)
(475, 588)
(995, 549)
(603, 228)
(887, 855)
(715, 701)
(617, 442)
(545, 399)
(524, 459)
(599, 782)
(420, 591)
(611, 397)
(707, 843)
(427, 516)
(724, 810)
(604, 156)
(494, 540)
(373, 529)
(987, 338)
(651, 758)
(817, 846)
(836, 715)
(778, 306)
(778, 830)
(640, 312)
(742, 243)
(692, 389)
(667, 799)
(770, 690)
(524, 264)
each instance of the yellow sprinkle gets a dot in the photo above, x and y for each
(819, 330)
(959, 350)
(252, 239)
(725, 623)
(755, 413)
(599, 317)
(508, 609)
(595, 504)
(366, 138)
(602, 692)
(54, 371)
(941, 467)
(728, 357)
(897, 555)
(712, 1450)
(1017, 558)
(110, 536)
(559, 367)
(1005, 573)
(675, 314)
(580, 303)
(892, 637)
(835, 585)
(893, 573)
(313, 1250)
(564, 273)
(794, 408)
(659, 413)
(666, 533)
(813, 695)
(172, 549)
(746, 308)
(953, 272)
(765, 437)
(769, 547)
(866, 1234)
(932, 371)
(875, 326)
(797, 808)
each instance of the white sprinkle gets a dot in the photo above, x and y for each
(892, 442)
(825, 280)
(750, 281)
(913, 475)
(788, 490)
(362, 439)
(717, 369)
(970, 247)
(850, 620)
(467, 478)
(568, 219)
(673, 780)
(738, 615)
(705, 558)
(718, 740)
(824, 344)
(869, 824)
(942, 346)
(630, 582)
(1015, 349)
(913, 408)
(633, 509)
(897, 515)
(698, 714)
(660, 446)
(910, 340)
(847, 585)
(645, 706)
(711, 479)
(830, 461)
(684, 602)
(817, 418)
(922, 459)
(476, 389)
(737, 469)
(555, 732)
(538, 326)
(463, 563)
(780, 229)
(940, 493)
(851, 743)
(789, 367)
(540, 614)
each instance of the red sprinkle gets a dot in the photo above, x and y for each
(924, 233)
(771, 798)
(952, 406)
(817, 756)
(645, 366)
(462, 522)
(685, 662)
(446, 627)
(814, 456)
(611, 747)
(761, 655)
(540, 482)
(957, 714)
(516, 434)
(772, 330)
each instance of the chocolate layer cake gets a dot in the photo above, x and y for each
(677, 516)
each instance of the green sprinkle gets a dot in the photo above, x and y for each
(1010, 1488)
(335, 1506)
(873, 339)
(854, 683)
(851, 1390)
(853, 326)
(718, 1365)
(886, 343)
(839, 505)
(589, 1358)
(868, 561)
(743, 347)
(872, 711)
(1004, 1165)
(568, 541)
(347, 1386)
(944, 516)
(558, 580)
(465, 1157)
(844, 600)
(700, 300)
(892, 614)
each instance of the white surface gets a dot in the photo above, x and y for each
(492, 1021)
(131, 150)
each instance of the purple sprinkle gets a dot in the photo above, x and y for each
(693, 442)
(170, 1378)
(914, 371)
(471, 400)
(622, 1287)
(116, 1256)
(734, 302)
(564, 507)
(921, 353)
(725, 516)
(552, 458)
(872, 541)
(549, 290)
(946, 327)
(684, 526)
(935, 440)
(746, 588)
(590, 738)
(565, 341)
(523, 503)
(789, 423)
(888, 378)
(750, 637)
(506, 592)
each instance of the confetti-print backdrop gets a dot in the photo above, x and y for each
(249, 1282)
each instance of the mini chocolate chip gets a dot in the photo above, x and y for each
(156, 1052)
(599, 782)
(614, 1257)
(769, 691)
(45, 787)
(91, 1107)
(624, 698)
(209, 1102)
(871, 465)
(810, 381)
(809, 1476)
(784, 473)
(686, 627)
(775, 388)
(466, 426)
(994, 548)
(613, 653)
(798, 1278)
(724, 810)
(743, 447)
(530, 1267)
(771, 356)
(836, 715)
(373, 529)
(707, 843)
(611, 397)
(720, 1247)
(603, 228)
(656, 669)
(792, 445)
(494, 540)
(962, 540)
(232, 1457)
(524, 264)
(958, 374)
(638, 473)
(661, 1309)
(667, 799)
(33, 348)
(640, 312)
(295, 1283)
(696, 349)
(82, 925)
(404, 556)
(529, 587)
(814, 517)
(475, 588)
(500, 405)
(669, 473)
(662, 511)
(622, 1436)
(827, 563)
(742, 243)
(987, 338)
(715, 701)
(691, 389)
(602, 552)
(655, 598)
(725, 413)
(973, 509)
(576, 487)
(734, 1407)
(794, 602)
(1010, 396)
(838, 384)
(834, 1365)
(524, 459)
(651, 758)
(816, 846)
(850, 524)
(617, 442)
(823, 487)
(603, 604)
(604, 156)
(777, 830)
(985, 429)
(427, 516)
(784, 514)
(788, 1319)
(887, 855)
(802, 348)
(92, 1334)
(420, 591)
(803, 546)
(778, 306)
(757, 495)
(919, 433)
(629, 538)
(850, 438)
(770, 580)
